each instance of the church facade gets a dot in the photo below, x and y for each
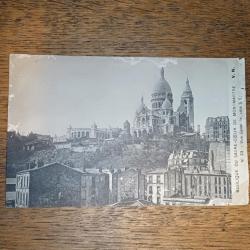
(161, 119)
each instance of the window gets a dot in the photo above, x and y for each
(150, 190)
(225, 192)
(83, 181)
(158, 190)
(17, 181)
(150, 198)
(93, 181)
(205, 189)
(150, 179)
(17, 197)
(26, 181)
(215, 180)
(200, 191)
(158, 200)
(22, 181)
(158, 179)
(83, 194)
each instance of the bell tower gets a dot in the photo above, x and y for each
(187, 101)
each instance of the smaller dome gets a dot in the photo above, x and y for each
(166, 104)
(141, 107)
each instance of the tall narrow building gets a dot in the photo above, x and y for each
(186, 109)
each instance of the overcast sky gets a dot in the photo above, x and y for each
(49, 93)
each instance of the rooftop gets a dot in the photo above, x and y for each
(88, 171)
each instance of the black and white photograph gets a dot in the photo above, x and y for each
(86, 131)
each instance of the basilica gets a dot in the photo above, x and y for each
(161, 119)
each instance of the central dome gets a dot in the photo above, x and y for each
(162, 86)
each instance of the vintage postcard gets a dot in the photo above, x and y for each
(90, 131)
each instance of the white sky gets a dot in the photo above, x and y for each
(49, 93)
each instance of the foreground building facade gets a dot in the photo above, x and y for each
(57, 185)
(188, 179)
(156, 186)
(128, 184)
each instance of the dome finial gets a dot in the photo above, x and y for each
(162, 72)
